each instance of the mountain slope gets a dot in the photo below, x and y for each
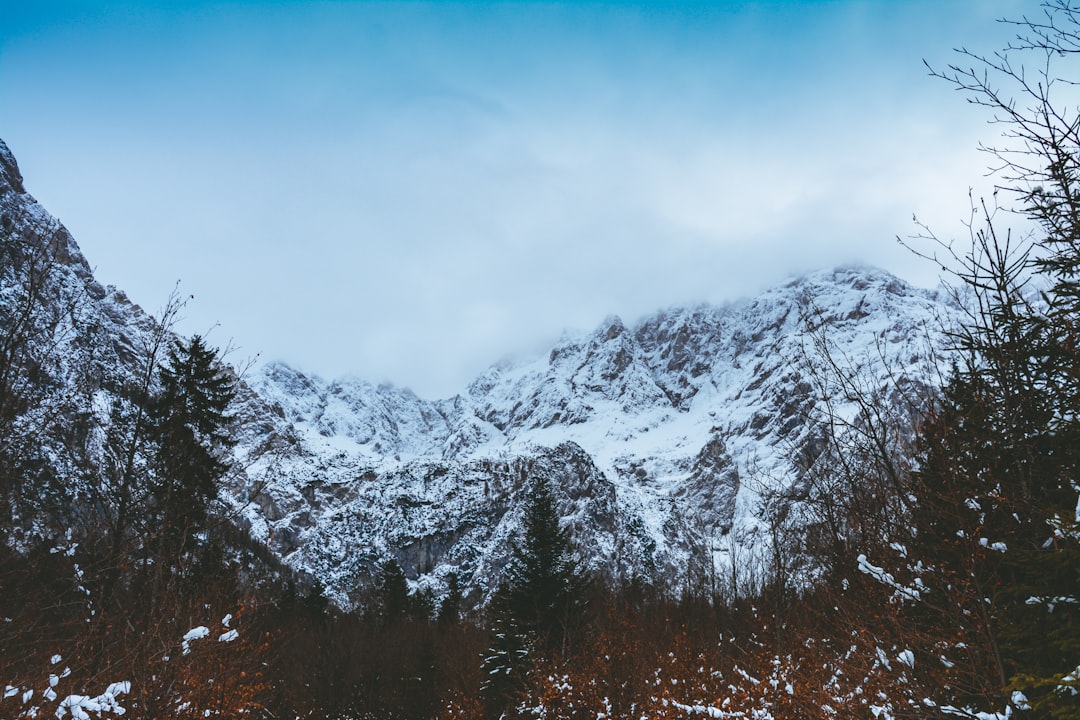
(661, 438)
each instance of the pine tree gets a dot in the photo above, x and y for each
(190, 428)
(392, 591)
(540, 602)
(997, 498)
(450, 607)
(1002, 466)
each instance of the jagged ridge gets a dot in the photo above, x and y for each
(658, 436)
(677, 423)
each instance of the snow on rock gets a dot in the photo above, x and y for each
(661, 436)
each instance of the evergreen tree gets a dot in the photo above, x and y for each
(1001, 466)
(392, 591)
(450, 607)
(190, 428)
(997, 497)
(539, 604)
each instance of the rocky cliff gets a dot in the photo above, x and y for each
(661, 437)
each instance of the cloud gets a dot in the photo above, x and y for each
(408, 191)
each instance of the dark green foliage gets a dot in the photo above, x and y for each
(543, 587)
(150, 469)
(392, 591)
(191, 431)
(538, 608)
(997, 507)
(1001, 460)
(393, 602)
(450, 607)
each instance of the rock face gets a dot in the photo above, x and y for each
(659, 436)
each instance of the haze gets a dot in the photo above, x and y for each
(408, 191)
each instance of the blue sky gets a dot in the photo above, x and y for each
(407, 191)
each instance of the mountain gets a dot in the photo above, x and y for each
(661, 438)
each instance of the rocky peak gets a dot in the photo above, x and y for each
(10, 178)
(657, 437)
(615, 327)
(23, 218)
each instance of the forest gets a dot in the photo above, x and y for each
(932, 568)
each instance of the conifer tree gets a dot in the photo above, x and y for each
(540, 600)
(392, 590)
(1001, 469)
(190, 422)
(450, 607)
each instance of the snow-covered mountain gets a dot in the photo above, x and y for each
(659, 437)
